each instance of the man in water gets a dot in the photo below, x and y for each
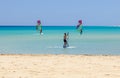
(39, 26)
(65, 38)
(79, 26)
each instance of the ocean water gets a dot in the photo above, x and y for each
(26, 40)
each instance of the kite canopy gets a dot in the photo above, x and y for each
(38, 21)
(80, 21)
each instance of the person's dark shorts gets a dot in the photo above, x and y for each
(65, 40)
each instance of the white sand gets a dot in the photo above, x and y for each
(59, 66)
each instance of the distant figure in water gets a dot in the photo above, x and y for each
(79, 27)
(65, 39)
(39, 26)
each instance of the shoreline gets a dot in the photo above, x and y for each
(65, 54)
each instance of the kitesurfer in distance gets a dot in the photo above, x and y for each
(39, 26)
(79, 27)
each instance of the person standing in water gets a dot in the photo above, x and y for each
(79, 26)
(65, 38)
(39, 26)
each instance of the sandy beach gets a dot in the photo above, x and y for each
(59, 66)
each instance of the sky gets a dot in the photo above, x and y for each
(60, 12)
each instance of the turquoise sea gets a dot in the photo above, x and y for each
(26, 40)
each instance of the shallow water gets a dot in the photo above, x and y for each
(26, 40)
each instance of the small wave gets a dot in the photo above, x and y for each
(71, 47)
(61, 47)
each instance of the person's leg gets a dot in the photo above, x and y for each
(40, 31)
(67, 44)
(81, 32)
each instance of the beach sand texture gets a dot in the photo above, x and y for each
(59, 66)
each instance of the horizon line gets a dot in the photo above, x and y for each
(65, 25)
